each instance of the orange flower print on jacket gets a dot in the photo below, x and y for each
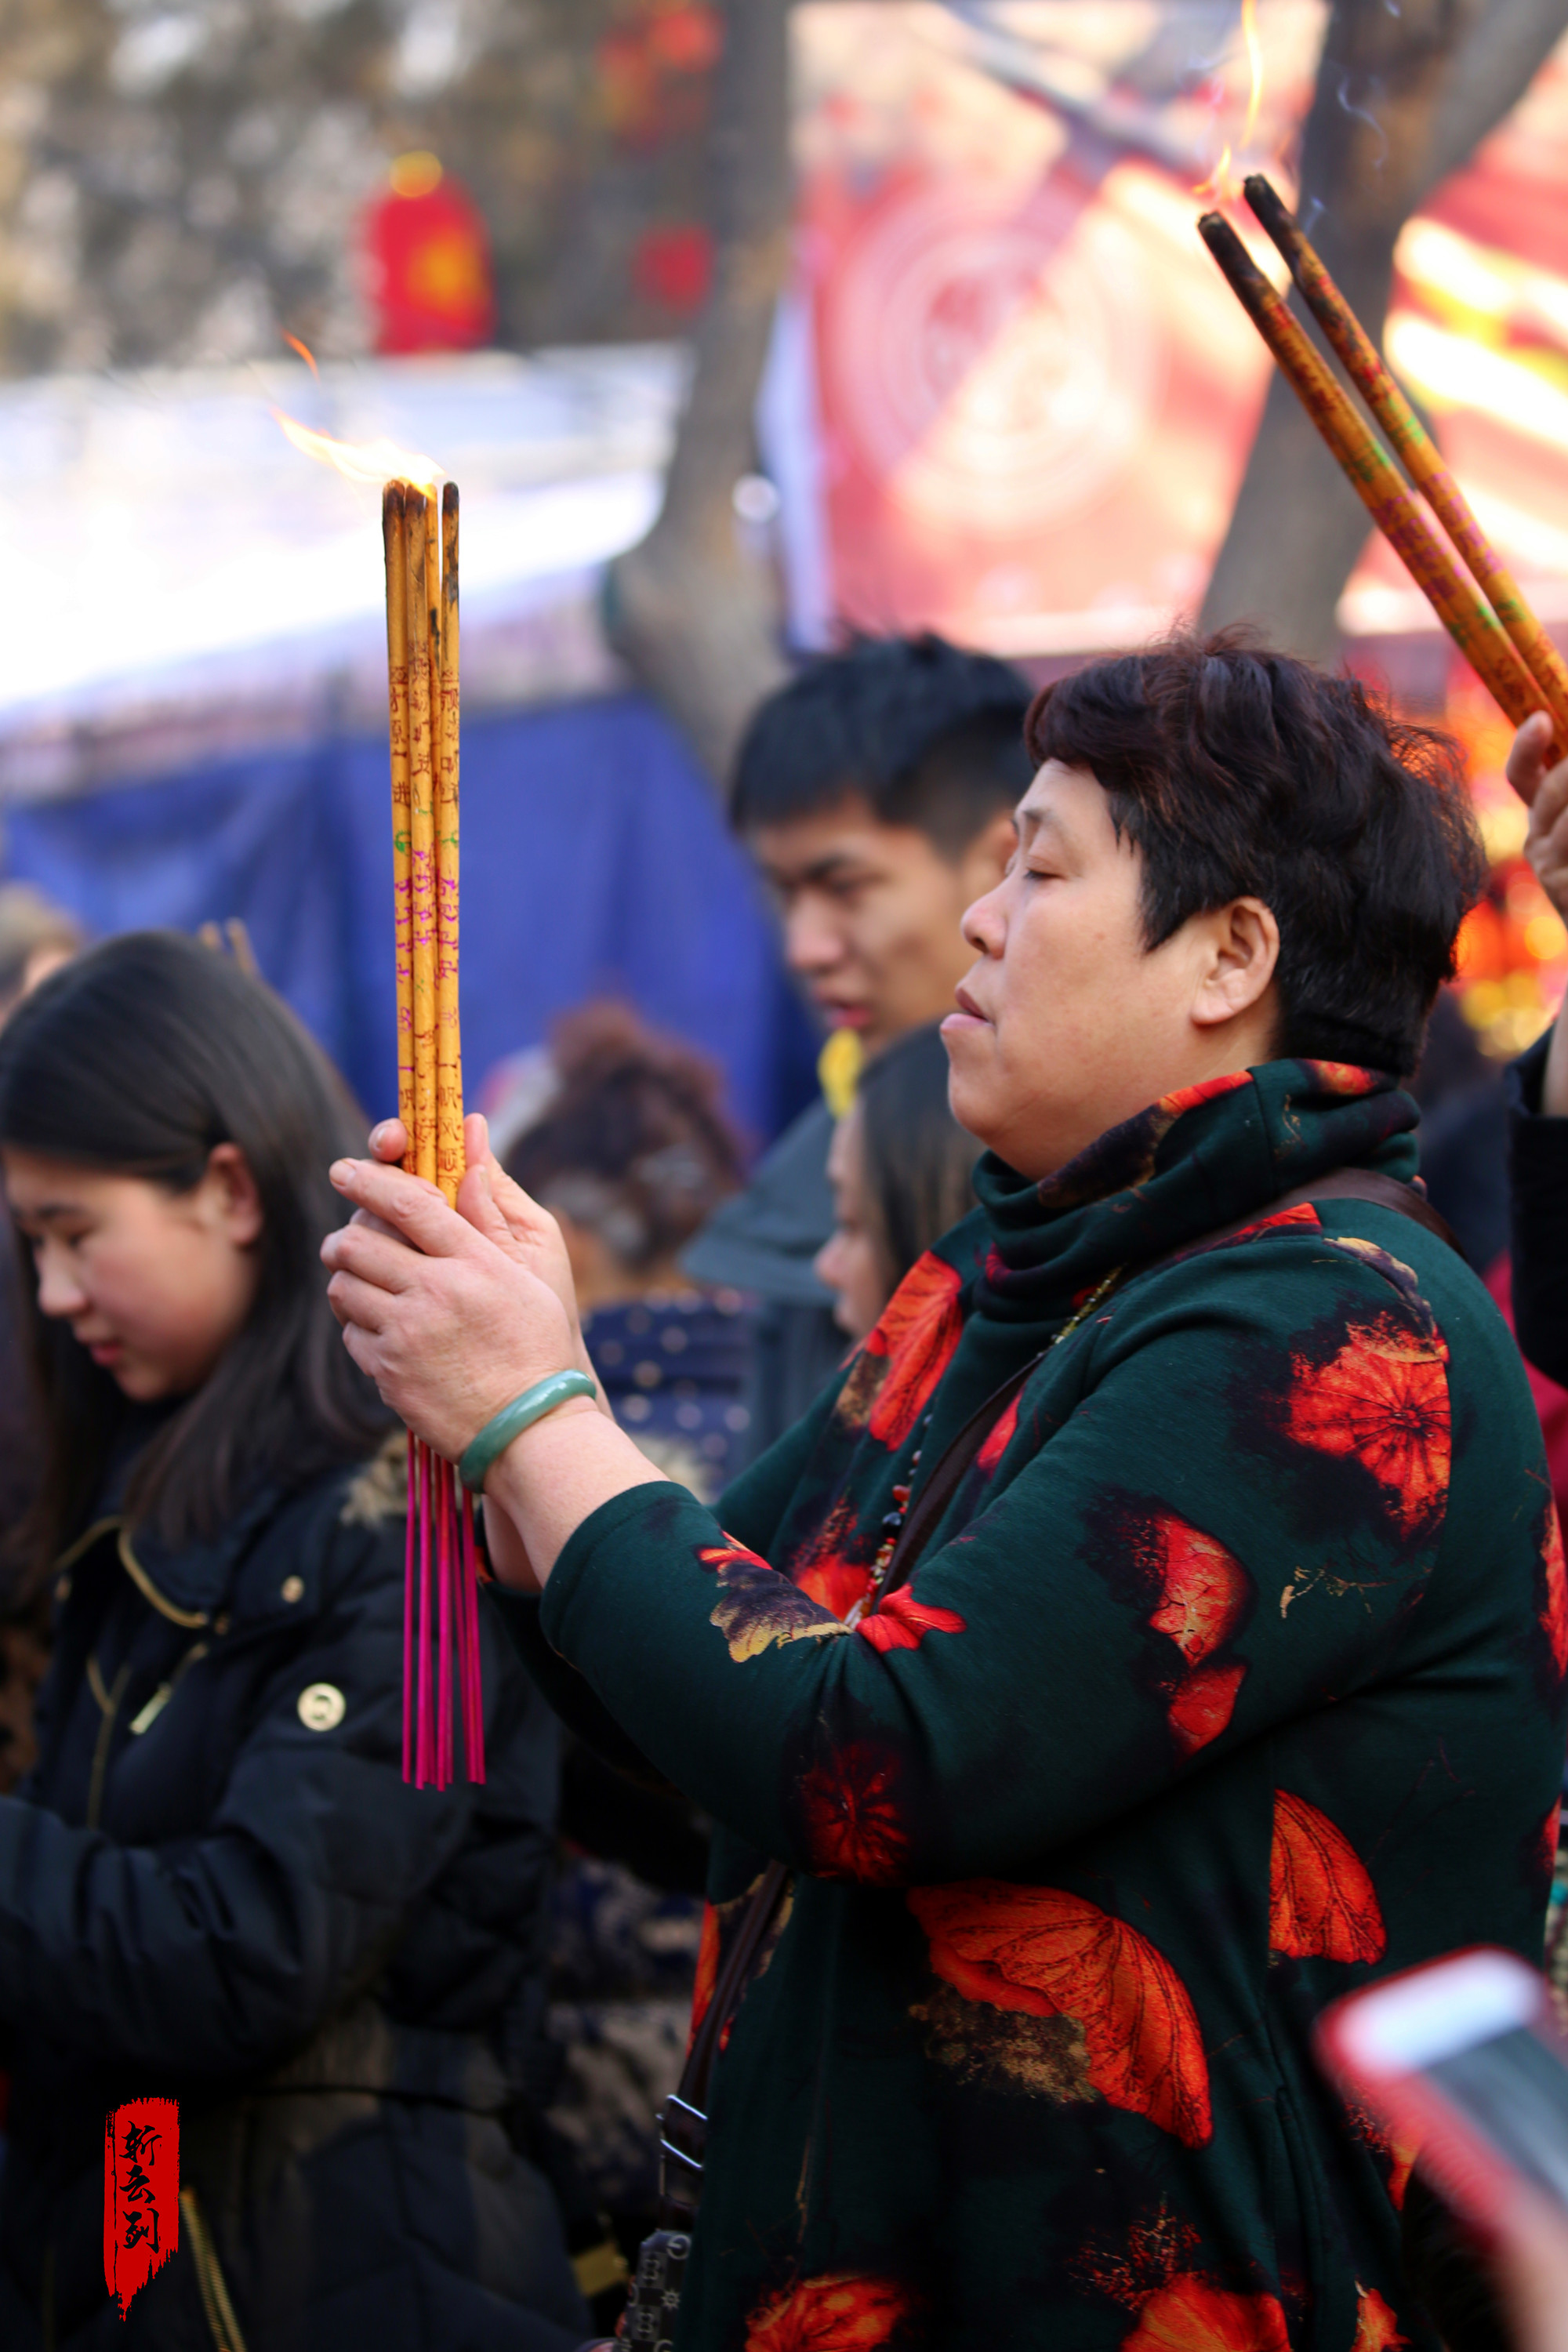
(1554, 1587)
(757, 1607)
(902, 1623)
(906, 1354)
(1343, 1078)
(852, 1823)
(999, 1439)
(1051, 1954)
(1382, 1401)
(826, 1573)
(1201, 1595)
(840, 2313)
(1377, 2329)
(1190, 2314)
(1322, 1904)
(707, 1970)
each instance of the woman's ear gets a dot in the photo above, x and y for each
(1243, 950)
(236, 1201)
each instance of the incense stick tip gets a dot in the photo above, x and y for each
(449, 498)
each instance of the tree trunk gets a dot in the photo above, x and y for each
(690, 609)
(1403, 97)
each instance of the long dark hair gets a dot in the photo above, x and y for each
(140, 1058)
(919, 1161)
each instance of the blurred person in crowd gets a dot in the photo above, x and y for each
(1230, 1673)
(216, 1885)
(36, 938)
(625, 1144)
(876, 793)
(630, 1150)
(901, 1169)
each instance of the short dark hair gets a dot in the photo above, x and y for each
(919, 1161)
(140, 1057)
(931, 735)
(1240, 772)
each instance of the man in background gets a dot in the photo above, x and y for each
(875, 791)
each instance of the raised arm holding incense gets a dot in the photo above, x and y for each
(1543, 788)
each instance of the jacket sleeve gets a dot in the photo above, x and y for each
(754, 1504)
(223, 1953)
(1538, 1210)
(1217, 1538)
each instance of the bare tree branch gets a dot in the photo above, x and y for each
(690, 609)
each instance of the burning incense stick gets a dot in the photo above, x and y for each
(1414, 445)
(393, 530)
(441, 1623)
(1376, 480)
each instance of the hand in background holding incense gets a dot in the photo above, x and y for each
(1543, 788)
(453, 1313)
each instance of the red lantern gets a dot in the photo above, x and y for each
(432, 286)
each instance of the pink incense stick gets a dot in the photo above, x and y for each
(408, 1621)
(424, 1759)
(444, 1565)
(473, 1687)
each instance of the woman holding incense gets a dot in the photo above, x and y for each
(1159, 1629)
(216, 1886)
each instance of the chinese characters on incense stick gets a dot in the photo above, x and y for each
(441, 1632)
(1501, 639)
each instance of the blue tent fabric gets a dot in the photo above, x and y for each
(595, 862)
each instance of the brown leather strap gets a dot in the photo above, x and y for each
(683, 2118)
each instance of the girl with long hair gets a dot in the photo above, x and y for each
(216, 1886)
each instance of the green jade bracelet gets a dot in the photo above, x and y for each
(555, 1389)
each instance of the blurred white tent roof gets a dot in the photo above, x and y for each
(179, 573)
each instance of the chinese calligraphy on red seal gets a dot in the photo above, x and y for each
(141, 2194)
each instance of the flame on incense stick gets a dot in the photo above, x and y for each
(364, 461)
(1223, 185)
(305, 353)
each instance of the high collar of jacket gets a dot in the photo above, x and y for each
(1193, 1161)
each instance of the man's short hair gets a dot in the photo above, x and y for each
(1239, 771)
(931, 736)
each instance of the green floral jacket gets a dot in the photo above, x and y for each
(1233, 1677)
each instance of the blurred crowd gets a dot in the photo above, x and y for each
(465, 2012)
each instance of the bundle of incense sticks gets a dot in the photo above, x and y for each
(1489, 622)
(440, 1622)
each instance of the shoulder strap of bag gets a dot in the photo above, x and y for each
(683, 2118)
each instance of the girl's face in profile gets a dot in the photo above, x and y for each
(850, 1261)
(155, 1285)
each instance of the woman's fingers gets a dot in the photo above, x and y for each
(389, 1140)
(1527, 759)
(372, 1255)
(358, 1305)
(413, 1208)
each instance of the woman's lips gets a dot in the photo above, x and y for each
(104, 1351)
(967, 1009)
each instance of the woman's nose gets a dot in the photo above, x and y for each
(982, 925)
(60, 1294)
(825, 1264)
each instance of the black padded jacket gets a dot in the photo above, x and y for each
(215, 1886)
